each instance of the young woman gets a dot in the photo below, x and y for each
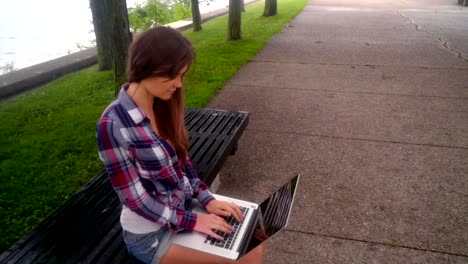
(143, 143)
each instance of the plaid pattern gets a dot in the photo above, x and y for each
(144, 169)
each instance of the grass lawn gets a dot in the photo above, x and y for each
(47, 136)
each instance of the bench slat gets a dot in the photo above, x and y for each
(109, 245)
(227, 134)
(38, 239)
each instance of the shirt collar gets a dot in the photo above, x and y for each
(129, 105)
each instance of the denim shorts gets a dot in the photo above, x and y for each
(150, 247)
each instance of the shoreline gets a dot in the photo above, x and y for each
(23, 46)
(25, 79)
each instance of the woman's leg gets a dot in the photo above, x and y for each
(179, 254)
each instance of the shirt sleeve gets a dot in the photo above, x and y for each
(200, 190)
(124, 177)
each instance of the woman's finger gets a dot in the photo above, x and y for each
(236, 211)
(223, 212)
(224, 228)
(221, 225)
(214, 235)
(224, 209)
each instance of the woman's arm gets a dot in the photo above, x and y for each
(200, 190)
(126, 182)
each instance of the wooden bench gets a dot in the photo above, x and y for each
(86, 228)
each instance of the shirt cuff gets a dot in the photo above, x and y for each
(204, 197)
(186, 220)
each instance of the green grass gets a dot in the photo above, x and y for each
(47, 136)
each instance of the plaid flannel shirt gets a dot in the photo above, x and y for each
(144, 169)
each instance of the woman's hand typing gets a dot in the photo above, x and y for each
(225, 209)
(206, 223)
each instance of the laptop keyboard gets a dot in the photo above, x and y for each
(229, 239)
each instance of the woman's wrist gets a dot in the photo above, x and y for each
(205, 197)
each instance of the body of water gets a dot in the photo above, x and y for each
(33, 31)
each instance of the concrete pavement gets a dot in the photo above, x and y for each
(368, 101)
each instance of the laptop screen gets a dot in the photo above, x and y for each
(273, 213)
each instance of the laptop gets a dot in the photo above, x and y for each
(261, 222)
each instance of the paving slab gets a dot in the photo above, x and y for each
(354, 4)
(385, 4)
(293, 247)
(449, 26)
(396, 194)
(431, 4)
(368, 101)
(357, 37)
(380, 117)
(417, 81)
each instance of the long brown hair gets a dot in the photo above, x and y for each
(163, 52)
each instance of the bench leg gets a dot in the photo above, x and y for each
(233, 151)
(216, 184)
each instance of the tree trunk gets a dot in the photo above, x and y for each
(234, 24)
(120, 39)
(270, 8)
(98, 10)
(242, 6)
(196, 17)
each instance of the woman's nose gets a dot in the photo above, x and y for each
(178, 82)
